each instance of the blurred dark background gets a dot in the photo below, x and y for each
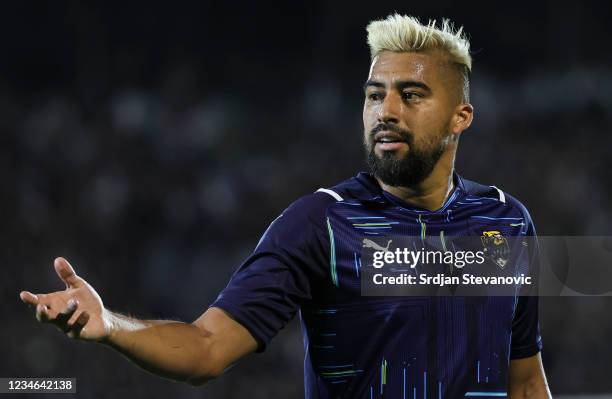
(152, 143)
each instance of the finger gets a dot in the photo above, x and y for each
(71, 306)
(42, 314)
(74, 315)
(78, 325)
(28, 298)
(65, 271)
(62, 318)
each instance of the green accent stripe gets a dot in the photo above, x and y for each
(423, 228)
(384, 376)
(332, 255)
(443, 240)
(340, 373)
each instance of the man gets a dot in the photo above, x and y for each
(308, 261)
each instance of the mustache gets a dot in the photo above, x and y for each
(405, 134)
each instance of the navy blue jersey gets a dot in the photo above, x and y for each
(308, 262)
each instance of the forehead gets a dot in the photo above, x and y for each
(389, 66)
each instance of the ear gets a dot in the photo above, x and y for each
(462, 119)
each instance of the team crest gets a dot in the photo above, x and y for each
(495, 247)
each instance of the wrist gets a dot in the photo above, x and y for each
(111, 327)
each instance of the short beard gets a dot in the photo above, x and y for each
(409, 171)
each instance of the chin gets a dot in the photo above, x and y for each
(397, 154)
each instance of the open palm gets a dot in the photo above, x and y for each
(78, 310)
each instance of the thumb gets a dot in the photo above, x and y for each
(65, 272)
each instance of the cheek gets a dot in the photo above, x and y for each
(369, 117)
(429, 128)
(367, 111)
(432, 121)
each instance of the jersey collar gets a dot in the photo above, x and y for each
(371, 192)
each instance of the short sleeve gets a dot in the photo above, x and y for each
(526, 338)
(277, 278)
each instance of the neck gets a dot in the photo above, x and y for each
(432, 192)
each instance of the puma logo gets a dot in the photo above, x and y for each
(367, 243)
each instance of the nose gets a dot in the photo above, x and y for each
(390, 109)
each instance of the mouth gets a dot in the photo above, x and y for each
(389, 141)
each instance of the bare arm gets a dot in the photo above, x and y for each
(190, 352)
(527, 379)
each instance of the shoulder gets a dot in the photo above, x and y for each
(511, 203)
(518, 205)
(307, 214)
(310, 207)
(316, 203)
(522, 210)
(301, 224)
(310, 210)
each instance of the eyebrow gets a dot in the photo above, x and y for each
(401, 84)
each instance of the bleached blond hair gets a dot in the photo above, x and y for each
(405, 33)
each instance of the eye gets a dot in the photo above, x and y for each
(410, 95)
(374, 96)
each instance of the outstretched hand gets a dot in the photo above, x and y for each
(77, 311)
